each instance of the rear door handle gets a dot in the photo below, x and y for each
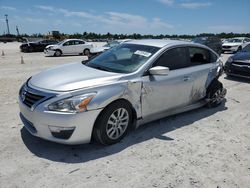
(186, 78)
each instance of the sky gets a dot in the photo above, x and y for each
(126, 16)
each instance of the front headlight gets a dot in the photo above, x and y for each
(73, 104)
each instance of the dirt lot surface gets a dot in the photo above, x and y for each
(202, 148)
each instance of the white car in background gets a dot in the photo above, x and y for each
(69, 47)
(234, 44)
(98, 50)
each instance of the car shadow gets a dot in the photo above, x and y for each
(237, 79)
(87, 152)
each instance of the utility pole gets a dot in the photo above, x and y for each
(7, 23)
(17, 30)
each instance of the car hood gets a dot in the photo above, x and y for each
(231, 44)
(72, 77)
(242, 56)
(52, 46)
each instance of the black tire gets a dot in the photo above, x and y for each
(58, 53)
(213, 91)
(86, 52)
(102, 127)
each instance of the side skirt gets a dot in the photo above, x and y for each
(167, 113)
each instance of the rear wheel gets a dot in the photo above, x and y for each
(113, 123)
(215, 94)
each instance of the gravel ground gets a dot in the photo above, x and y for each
(200, 148)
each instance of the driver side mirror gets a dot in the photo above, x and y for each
(159, 70)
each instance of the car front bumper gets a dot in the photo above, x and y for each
(24, 48)
(230, 49)
(237, 70)
(48, 52)
(39, 122)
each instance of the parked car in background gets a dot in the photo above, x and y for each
(136, 82)
(239, 64)
(212, 42)
(234, 44)
(69, 47)
(111, 44)
(224, 40)
(36, 46)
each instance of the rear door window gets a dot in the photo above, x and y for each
(173, 59)
(200, 56)
(77, 42)
(69, 43)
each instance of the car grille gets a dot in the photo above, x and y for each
(241, 63)
(30, 98)
(226, 47)
(242, 73)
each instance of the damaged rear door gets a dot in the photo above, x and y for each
(203, 67)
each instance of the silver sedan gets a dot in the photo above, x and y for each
(134, 83)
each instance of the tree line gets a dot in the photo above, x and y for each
(92, 35)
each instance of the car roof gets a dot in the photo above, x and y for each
(72, 39)
(160, 43)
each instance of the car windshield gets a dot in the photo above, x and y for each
(124, 58)
(234, 40)
(36, 41)
(59, 43)
(246, 48)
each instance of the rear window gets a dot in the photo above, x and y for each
(77, 42)
(199, 56)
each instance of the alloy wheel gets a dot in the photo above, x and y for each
(117, 123)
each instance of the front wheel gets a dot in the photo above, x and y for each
(58, 53)
(113, 123)
(86, 52)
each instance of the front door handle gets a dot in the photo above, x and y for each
(186, 78)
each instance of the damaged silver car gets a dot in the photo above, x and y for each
(136, 82)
